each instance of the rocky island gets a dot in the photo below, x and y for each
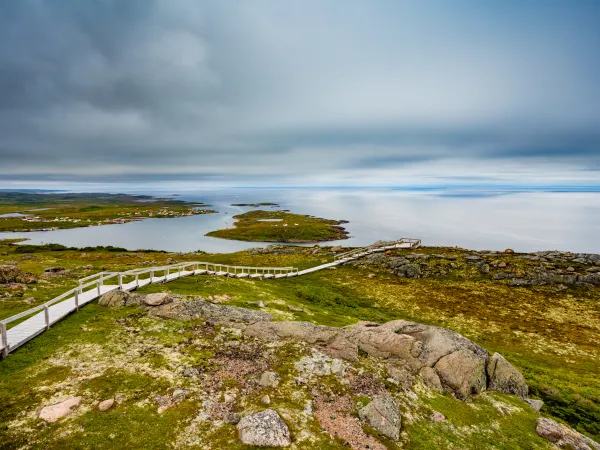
(282, 226)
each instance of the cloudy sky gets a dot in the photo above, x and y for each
(328, 92)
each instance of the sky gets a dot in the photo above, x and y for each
(299, 93)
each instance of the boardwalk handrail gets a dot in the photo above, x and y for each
(35, 325)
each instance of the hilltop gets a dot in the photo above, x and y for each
(190, 363)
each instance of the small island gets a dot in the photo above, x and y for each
(34, 211)
(256, 205)
(280, 226)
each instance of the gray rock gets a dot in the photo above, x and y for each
(383, 414)
(269, 379)
(199, 308)
(505, 378)
(535, 404)
(563, 436)
(484, 268)
(431, 379)
(53, 269)
(55, 412)
(232, 418)
(266, 400)
(117, 298)
(10, 274)
(264, 429)
(157, 299)
(463, 372)
(179, 395)
(408, 271)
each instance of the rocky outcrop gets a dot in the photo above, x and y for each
(264, 429)
(182, 309)
(11, 274)
(383, 414)
(563, 436)
(444, 359)
(157, 299)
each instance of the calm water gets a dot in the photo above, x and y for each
(523, 221)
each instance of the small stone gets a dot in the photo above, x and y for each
(437, 417)
(29, 300)
(269, 379)
(106, 404)
(54, 412)
(509, 251)
(295, 308)
(179, 395)
(228, 398)
(232, 418)
(570, 269)
(266, 400)
(264, 429)
(535, 404)
(371, 275)
(502, 264)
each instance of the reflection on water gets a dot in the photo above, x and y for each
(523, 221)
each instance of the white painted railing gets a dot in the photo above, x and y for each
(40, 318)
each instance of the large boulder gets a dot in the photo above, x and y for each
(10, 274)
(118, 298)
(563, 436)
(505, 378)
(383, 414)
(264, 429)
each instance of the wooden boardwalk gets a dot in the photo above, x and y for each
(37, 320)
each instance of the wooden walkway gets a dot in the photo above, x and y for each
(37, 320)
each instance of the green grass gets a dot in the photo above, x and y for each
(291, 228)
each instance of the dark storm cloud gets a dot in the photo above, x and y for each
(297, 92)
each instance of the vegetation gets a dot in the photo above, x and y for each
(281, 226)
(549, 334)
(60, 210)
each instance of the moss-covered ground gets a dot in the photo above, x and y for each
(550, 335)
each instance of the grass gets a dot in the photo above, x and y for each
(82, 210)
(549, 335)
(281, 226)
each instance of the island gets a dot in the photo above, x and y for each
(256, 205)
(281, 226)
(34, 211)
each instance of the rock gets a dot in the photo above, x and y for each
(509, 251)
(10, 274)
(258, 304)
(484, 268)
(54, 412)
(117, 298)
(190, 372)
(197, 308)
(53, 269)
(570, 269)
(502, 264)
(431, 379)
(408, 271)
(232, 418)
(383, 414)
(563, 436)
(437, 417)
(535, 404)
(269, 379)
(463, 372)
(179, 395)
(264, 429)
(295, 308)
(29, 300)
(157, 299)
(401, 375)
(106, 404)
(505, 378)
(266, 400)
(371, 275)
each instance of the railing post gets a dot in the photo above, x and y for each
(47, 317)
(137, 279)
(151, 276)
(101, 280)
(179, 272)
(121, 281)
(98, 287)
(77, 298)
(4, 340)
